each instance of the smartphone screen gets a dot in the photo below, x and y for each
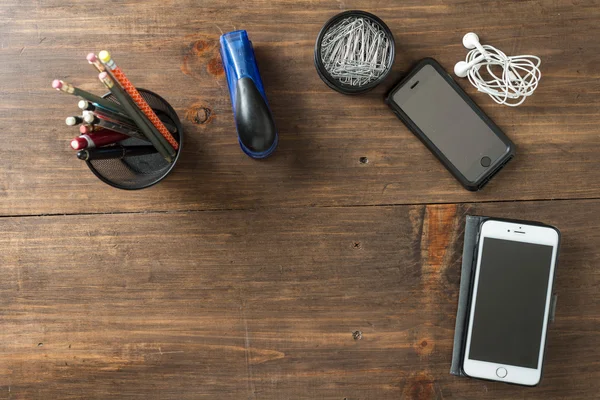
(450, 123)
(510, 302)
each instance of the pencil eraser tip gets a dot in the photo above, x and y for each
(83, 129)
(104, 56)
(102, 75)
(56, 84)
(91, 57)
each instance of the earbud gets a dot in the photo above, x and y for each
(461, 68)
(470, 41)
(519, 78)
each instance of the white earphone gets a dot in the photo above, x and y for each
(519, 78)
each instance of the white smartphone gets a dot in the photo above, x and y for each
(510, 306)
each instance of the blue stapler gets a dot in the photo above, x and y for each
(255, 126)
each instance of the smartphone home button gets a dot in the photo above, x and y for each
(501, 372)
(485, 161)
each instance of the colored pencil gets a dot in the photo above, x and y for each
(110, 64)
(163, 147)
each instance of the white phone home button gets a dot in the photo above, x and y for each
(501, 372)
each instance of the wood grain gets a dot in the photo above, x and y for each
(266, 304)
(328, 271)
(171, 47)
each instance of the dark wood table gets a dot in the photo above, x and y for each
(330, 270)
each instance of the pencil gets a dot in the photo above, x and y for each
(140, 119)
(92, 59)
(110, 64)
(68, 88)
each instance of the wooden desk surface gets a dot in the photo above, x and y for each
(243, 279)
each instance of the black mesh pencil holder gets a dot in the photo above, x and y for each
(139, 172)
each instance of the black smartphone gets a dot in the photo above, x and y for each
(450, 124)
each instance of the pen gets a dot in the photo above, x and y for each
(140, 119)
(74, 120)
(115, 152)
(87, 106)
(83, 129)
(102, 138)
(118, 74)
(91, 109)
(97, 120)
(68, 88)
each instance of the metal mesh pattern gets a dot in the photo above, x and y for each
(140, 171)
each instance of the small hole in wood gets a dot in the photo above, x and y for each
(357, 335)
(40, 344)
(363, 160)
(202, 115)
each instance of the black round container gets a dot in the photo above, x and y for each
(140, 172)
(335, 83)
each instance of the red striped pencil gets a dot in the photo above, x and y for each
(109, 63)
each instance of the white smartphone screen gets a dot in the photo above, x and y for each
(510, 302)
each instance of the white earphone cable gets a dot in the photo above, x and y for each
(518, 80)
